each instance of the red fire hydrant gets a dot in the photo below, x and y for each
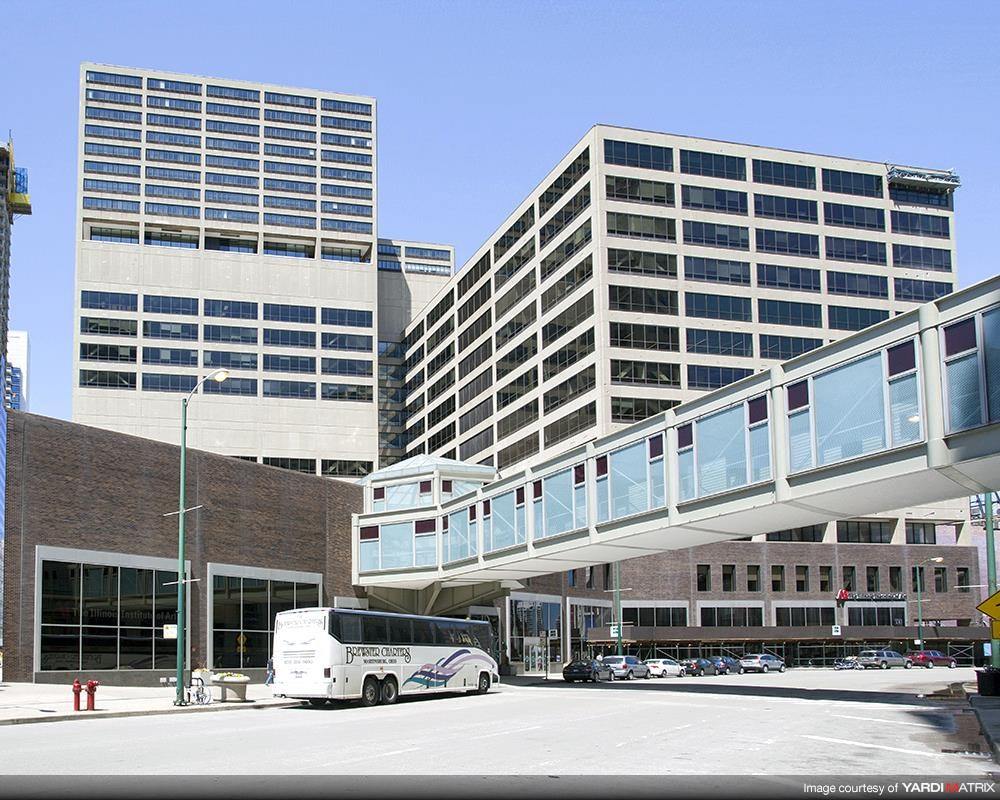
(77, 689)
(91, 691)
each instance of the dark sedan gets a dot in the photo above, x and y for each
(699, 667)
(725, 665)
(586, 670)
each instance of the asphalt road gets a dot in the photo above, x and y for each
(801, 722)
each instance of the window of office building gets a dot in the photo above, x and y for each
(802, 578)
(728, 617)
(713, 165)
(702, 376)
(583, 418)
(753, 578)
(804, 616)
(860, 251)
(713, 306)
(717, 270)
(808, 533)
(784, 312)
(724, 201)
(854, 284)
(846, 216)
(704, 577)
(637, 226)
(564, 216)
(777, 578)
(633, 154)
(784, 348)
(917, 291)
(921, 533)
(933, 258)
(866, 531)
(710, 234)
(559, 395)
(800, 279)
(637, 190)
(636, 409)
(791, 208)
(787, 243)
(826, 579)
(637, 262)
(644, 337)
(729, 577)
(779, 174)
(725, 343)
(872, 579)
(849, 578)
(843, 318)
(852, 183)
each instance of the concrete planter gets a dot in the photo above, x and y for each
(231, 688)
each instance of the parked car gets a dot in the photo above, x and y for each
(699, 667)
(725, 664)
(662, 667)
(586, 670)
(626, 667)
(848, 662)
(883, 659)
(931, 658)
(762, 662)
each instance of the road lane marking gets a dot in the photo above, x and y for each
(508, 732)
(892, 721)
(874, 746)
(398, 752)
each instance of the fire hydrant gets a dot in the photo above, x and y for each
(77, 689)
(91, 691)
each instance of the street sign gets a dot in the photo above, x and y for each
(835, 630)
(991, 606)
(994, 629)
(614, 631)
(553, 633)
(169, 631)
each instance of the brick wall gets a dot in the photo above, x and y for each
(70, 485)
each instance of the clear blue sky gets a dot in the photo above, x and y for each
(477, 101)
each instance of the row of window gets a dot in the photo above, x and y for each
(807, 578)
(232, 309)
(799, 176)
(183, 357)
(154, 382)
(188, 331)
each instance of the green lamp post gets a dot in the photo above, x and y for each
(218, 376)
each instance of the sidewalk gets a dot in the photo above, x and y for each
(46, 702)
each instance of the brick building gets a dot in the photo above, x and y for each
(89, 553)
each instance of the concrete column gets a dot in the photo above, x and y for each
(778, 425)
(899, 531)
(932, 385)
(830, 536)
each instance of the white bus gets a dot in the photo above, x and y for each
(325, 654)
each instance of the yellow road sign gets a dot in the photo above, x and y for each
(991, 606)
(994, 629)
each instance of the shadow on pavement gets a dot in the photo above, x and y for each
(683, 686)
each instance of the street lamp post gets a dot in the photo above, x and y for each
(218, 376)
(920, 614)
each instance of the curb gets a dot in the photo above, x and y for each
(82, 715)
(988, 734)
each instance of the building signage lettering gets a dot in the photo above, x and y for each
(845, 596)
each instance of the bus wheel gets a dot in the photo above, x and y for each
(370, 692)
(390, 692)
(484, 683)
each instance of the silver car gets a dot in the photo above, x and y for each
(762, 662)
(626, 667)
(883, 659)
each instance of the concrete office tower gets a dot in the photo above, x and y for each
(14, 202)
(17, 370)
(226, 224)
(646, 268)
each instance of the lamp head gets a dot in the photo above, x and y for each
(219, 375)
(937, 559)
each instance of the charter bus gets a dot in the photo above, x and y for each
(325, 654)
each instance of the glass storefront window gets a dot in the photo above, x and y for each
(112, 617)
(243, 612)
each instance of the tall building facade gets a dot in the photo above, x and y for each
(17, 371)
(232, 225)
(647, 268)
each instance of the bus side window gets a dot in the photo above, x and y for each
(375, 629)
(400, 631)
(350, 629)
(423, 631)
